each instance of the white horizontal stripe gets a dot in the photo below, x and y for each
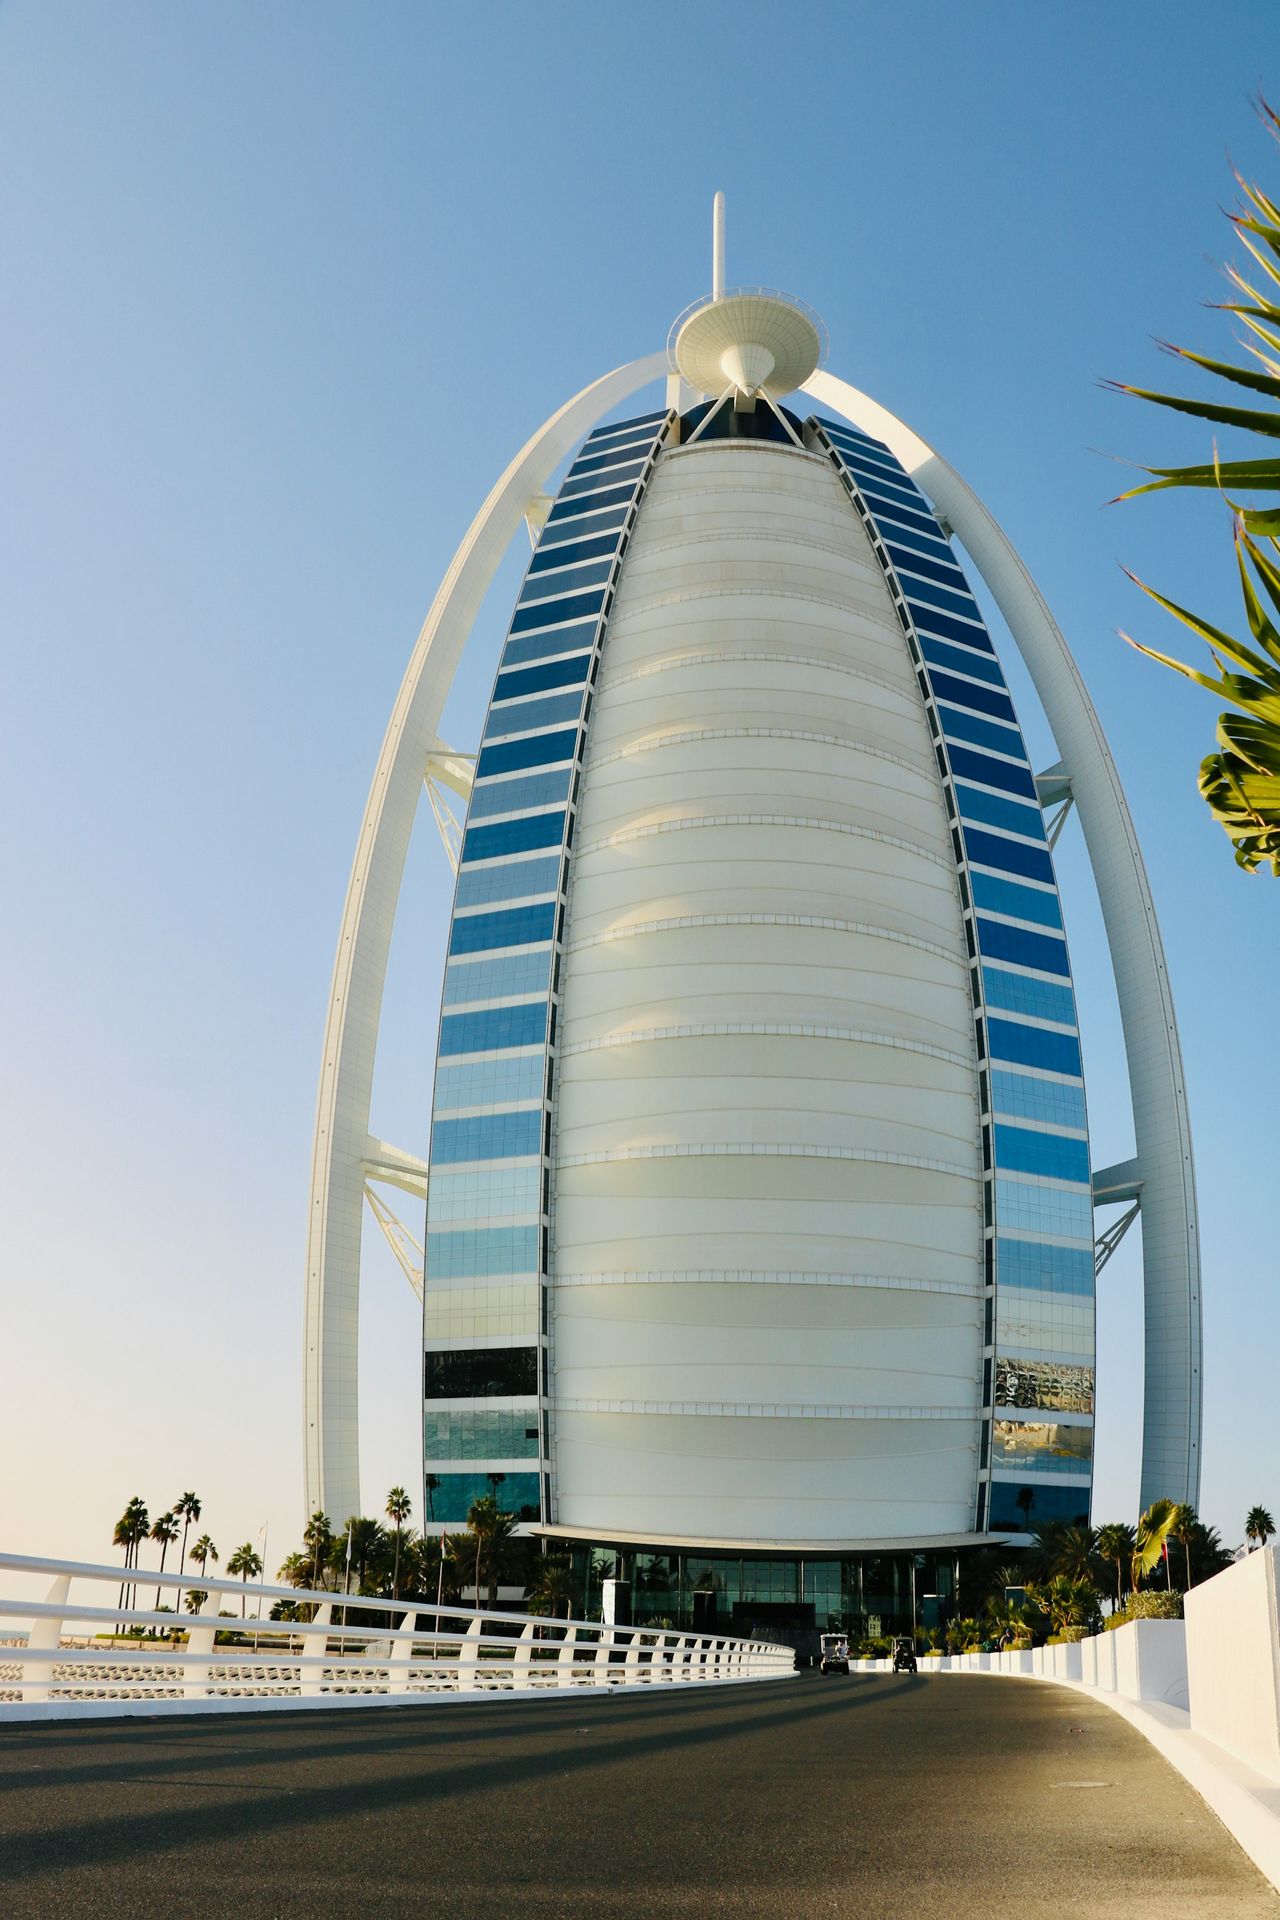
(763, 1410)
(691, 821)
(767, 1150)
(686, 735)
(740, 1276)
(716, 658)
(799, 1029)
(676, 921)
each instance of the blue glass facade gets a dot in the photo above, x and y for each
(1037, 1202)
(484, 1296)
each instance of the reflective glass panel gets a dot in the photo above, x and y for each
(1044, 1383)
(1020, 1509)
(1047, 1446)
(486, 1083)
(1031, 1099)
(995, 811)
(500, 1434)
(985, 700)
(515, 796)
(891, 505)
(983, 733)
(1024, 948)
(548, 645)
(989, 850)
(520, 1026)
(627, 446)
(513, 976)
(455, 1495)
(1020, 903)
(941, 653)
(570, 552)
(507, 927)
(548, 613)
(481, 1372)
(588, 525)
(912, 542)
(923, 593)
(910, 560)
(1033, 1047)
(494, 1193)
(1039, 1209)
(525, 716)
(541, 587)
(589, 483)
(552, 673)
(488, 1310)
(488, 1136)
(1020, 1150)
(535, 750)
(481, 1250)
(1041, 1268)
(513, 836)
(570, 507)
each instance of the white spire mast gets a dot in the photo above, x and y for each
(717, 247)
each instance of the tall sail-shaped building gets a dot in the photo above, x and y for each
(760, 1251)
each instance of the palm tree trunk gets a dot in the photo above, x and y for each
(1186, 1548)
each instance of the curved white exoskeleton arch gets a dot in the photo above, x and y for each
(1163, 1173)
(343, 1147)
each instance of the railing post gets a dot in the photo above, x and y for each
(401, 1649)
(45, 1635)
(196, 1678)
(565, 1657)
(469, 1656)
(604, 1649)
(631, 1665)
(522, 1659)
(313, 1680)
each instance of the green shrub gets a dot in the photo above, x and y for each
(1146, 1606)
(1069, 1637)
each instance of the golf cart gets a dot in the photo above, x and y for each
(835, 1653)
(904, 1656)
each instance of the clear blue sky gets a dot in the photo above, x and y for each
(284, 288)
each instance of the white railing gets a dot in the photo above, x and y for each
(81, 1654)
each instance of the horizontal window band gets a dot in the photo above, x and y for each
(586, 524)
(534, 750)
(737, 1277)
(686, 735)
(519, 717)
(531, 649)
(569, 553)
(799, 1030)
(542, 586)
(969, 765)
(911, 561)
(922, 597)
(766, 1150)
(932, 545)
(512, 836)
(946, 627)
(677, 921)
(961, 660)
(509, 927)
(549, 613)
(568, 672)
(737, 1409)
(613, 472)
(692, 821)
(523, 1025)
(1032, 1046)
(585, 503)
(1021, 1150)
(987, 849)
(1040, 950)
(963, 693)
(636, 447)
(993, 810)
(612, 427)
(1014, 900)
(958, 725)
(885, 505)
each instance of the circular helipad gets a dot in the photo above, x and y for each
(753, 339)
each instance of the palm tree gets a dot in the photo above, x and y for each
(246, 1563)
(187, 1506)
(554, 1585)
(430, 1486)
(399, 1507)
(1241, 783)
(1183, 1523)
(1151, 1540)
(1116, 1543)
(1258, 1527)
(318, 1535)
(165, 1530)
(484, 1522)
(130, 1531)
(1070, 1550)
(203, 1552)
(196, 1598)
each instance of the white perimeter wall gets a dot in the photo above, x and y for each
(767, 1239)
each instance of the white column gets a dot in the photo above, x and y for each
(1170, 1230)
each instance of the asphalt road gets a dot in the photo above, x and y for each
(867, 1796)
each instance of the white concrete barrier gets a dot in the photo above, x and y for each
(1151, 1661)
(1233, 1659)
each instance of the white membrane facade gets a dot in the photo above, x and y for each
(759, 1198)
